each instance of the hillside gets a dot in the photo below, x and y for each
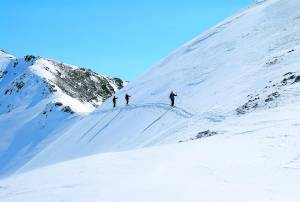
(233, 135)
(255, 160)
(247, 63)
(40, 97)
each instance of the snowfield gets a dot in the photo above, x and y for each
(251, 161)
(233, 135)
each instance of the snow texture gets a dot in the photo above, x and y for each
(233, 135)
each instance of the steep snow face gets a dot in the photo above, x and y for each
(250, 62)
(39, 99)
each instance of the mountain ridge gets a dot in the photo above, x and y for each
(40, 97)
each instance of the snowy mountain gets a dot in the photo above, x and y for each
(233, 135)
(245, 64)
(40, 97)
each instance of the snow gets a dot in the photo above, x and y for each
(5, 59)
(28, 118)
(32, 115)
(251, 161)
(240, 79)
(214, 75)
(60, 96)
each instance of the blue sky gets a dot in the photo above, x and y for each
(114, 37)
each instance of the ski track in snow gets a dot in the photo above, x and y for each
(104, 127)
(155, 121)
(93, 127)
(254, 156)
(179, 111)
(176, 110)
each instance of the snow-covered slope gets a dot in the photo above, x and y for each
(39, 99)
(249, 62)
(233, 135)
(257, 159)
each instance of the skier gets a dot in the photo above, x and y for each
(115, 101)
(172, 98)
(127, 98)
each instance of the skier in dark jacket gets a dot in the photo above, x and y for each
(172, 98)
(115, 101)
(127, 98)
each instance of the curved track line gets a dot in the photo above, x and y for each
(91, 128)
(179, 111)
(155, 121)
(105, 126)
